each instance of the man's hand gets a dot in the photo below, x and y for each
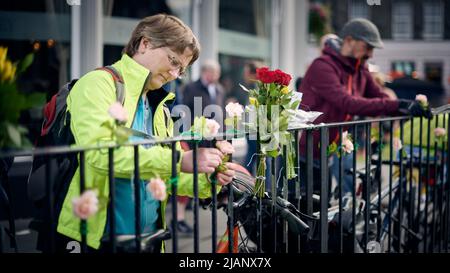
(414, 108)
(207, 160)
(224, 178)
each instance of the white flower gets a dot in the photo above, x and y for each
(234, 109)
(211, 128)
(157, 188)
(117, 111)
(347, 144)
(422, 99)
(225, 147)
(397, 143)
(440, 132)
(86, 205)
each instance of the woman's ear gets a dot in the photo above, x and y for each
(143, 44)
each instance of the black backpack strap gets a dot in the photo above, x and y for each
(118, 81)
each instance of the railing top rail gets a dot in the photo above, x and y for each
(77, 148)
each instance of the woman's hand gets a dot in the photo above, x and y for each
(225, 177)
(207, 160)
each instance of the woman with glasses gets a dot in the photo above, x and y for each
(160, 49)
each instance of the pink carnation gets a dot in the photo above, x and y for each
(422, 99)
(397, 143)
(234, 109)
(157, 188)
(225, 147)
(117, 111)
(440, 132)
(86, 205)
(347, 144)
(212, 127)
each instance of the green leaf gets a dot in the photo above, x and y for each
(14, 135)
(25, 63)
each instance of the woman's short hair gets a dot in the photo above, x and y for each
(164, 31)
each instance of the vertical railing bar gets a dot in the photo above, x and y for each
(137, 200)
(442, 193)
(259, 214)
(367, 186)
(112, 198)
(174, 190)
(83, 223)
(50, 200)
(419, 187)
(435, 186)
(427, 188)
(400, 190)
(285, 196)
(196, 201)
(274, 213)
(214, 215)
(355, 140)
(297, 181)
(380, 160)
(340, 187)
(309, 174)
(447, 213)
(323, 190)
(411, 191)
(391, 153)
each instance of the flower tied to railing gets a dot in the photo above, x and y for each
(440, 135)
(116, 125)
(204, 128)
(85, 205)
(157, 188)
(346, 147)
(423, 100)
(13, 102)
(270, 103)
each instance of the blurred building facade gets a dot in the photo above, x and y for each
(72, 37)
(416, 35)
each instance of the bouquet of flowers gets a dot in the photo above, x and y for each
(273, 108)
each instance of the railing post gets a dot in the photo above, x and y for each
(402, 185)
(112, 198)
(196, 201)
(427, 188)
(137, 199)
(355, 140)
(340, 189)
(323, 190)
(83, 224)
(174, 190)
(367, 186)
(391, 153)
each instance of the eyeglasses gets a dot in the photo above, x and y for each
(175, 63)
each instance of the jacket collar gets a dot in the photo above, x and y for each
(133, 72)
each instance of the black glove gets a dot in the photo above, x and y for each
(414, 108)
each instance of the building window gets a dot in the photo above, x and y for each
(400, 69)
(358, 9)
(402, 21)
(432, 20)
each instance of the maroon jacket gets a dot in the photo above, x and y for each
(341, 87)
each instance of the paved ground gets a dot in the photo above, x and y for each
(26, 238)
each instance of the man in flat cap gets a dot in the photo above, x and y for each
(339, 84)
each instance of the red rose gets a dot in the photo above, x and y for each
(265, 75)
(282, 78)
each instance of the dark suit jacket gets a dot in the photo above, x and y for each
(197, 89)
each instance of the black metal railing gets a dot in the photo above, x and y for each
(398, 202)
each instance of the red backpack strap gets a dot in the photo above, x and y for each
(118, 82)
